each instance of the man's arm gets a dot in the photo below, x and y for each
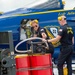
(73, 40)
(44, 36)
(55, 39)
(43, 33)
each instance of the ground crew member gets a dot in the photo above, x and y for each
(41, 32)
(66, 37)
(26, 28)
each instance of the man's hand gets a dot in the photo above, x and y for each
(44, 40)
(35, 35)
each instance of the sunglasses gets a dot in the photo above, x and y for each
(35, 26)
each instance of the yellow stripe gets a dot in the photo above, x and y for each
(35, 13)
(40, 12)
(21, 55)
(49, 34)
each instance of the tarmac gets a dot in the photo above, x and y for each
(55, 70)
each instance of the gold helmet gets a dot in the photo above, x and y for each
(61, 18)
(34, 21)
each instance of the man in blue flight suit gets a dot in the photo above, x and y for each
(66, 37)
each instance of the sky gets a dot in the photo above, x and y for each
(8, 5)
(70, 4)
